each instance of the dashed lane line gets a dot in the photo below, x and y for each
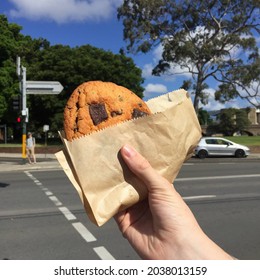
(55, 200)
(84, 232)
(101, 251)
(67, 214)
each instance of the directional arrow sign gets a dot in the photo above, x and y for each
(43, 87)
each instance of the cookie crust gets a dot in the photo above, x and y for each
(96, 105)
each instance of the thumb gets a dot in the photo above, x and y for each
(143, 170)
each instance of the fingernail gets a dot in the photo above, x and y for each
(128, 151)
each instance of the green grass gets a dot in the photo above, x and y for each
(10, 145)
(245, 140)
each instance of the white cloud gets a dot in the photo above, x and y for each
(64, 11)
(251, 93)
(157, 53)
(213, 105)
(154, 89)
(175, 71)
(147, 70)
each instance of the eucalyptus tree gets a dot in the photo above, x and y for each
(205, 38)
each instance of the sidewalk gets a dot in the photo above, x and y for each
(11, 162)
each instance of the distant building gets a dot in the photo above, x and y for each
(254, 115)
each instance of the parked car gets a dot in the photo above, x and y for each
(217, 146)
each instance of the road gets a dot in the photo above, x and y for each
(41, 216)
(224, 195)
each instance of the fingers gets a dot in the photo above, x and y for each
(142, 168)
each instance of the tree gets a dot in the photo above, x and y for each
(244, 83)
(204, 117)
(208, 39)
(233, 120)
(9, 37)
(69, 66)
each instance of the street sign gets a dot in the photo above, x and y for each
(43, 87)
(46, 128)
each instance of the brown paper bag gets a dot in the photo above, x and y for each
(93, 163)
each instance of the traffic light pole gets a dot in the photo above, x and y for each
(21, 72)
(24, 111)
(32, 87)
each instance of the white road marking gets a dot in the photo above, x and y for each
(103, 253)
(48, 193)
(198, 197)
(223, 163)
(55, 200)
(79, 227)
(66, 212)
(217, 177)
(84, 232)
(28, 173)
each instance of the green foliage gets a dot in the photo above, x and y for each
(204, 117)
(69, 66)
(233, 120)
(200, 37)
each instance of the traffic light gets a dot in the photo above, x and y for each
(18, 119)
(16, 102)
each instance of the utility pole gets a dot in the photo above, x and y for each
(21, 73)
(31, 87)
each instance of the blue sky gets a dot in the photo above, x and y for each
(94, 22)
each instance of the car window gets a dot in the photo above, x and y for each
(211, 141)
(217, 142)
(223, 142)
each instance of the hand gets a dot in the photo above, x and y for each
(163, 226)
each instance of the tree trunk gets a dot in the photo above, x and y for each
(196, 102)
(198, 92)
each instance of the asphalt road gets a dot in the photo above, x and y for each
(41, 216)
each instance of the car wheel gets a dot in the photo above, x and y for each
(240, 153)
(202, 154)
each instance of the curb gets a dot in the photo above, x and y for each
(14, 162)
(47, 161)
(7, 166)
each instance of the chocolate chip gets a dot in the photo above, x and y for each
(98, 113)
(137, 113)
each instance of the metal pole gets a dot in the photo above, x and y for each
(24, 110)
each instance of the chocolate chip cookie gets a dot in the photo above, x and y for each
(95, 105)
